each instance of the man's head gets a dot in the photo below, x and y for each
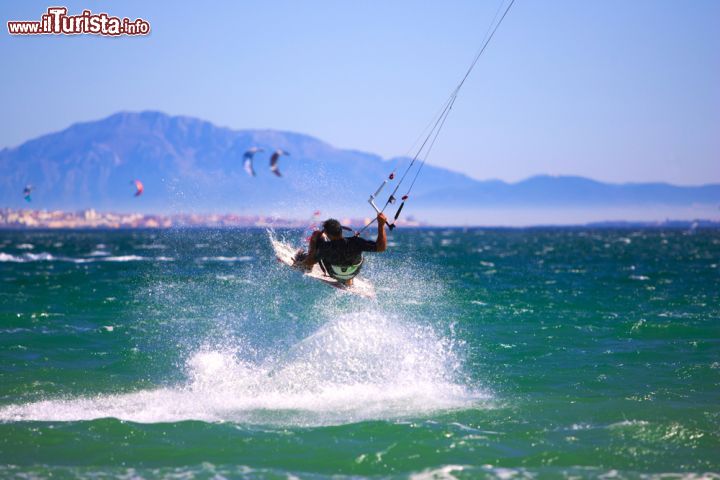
(332, 228)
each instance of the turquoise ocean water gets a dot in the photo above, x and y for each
(540, 353)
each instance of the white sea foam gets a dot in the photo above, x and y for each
(442, 473)
(34, 257)
(26, 257)
(124, 258)
(243, 258)
(134, 258)
(94, 257)
(357, 367)
(6, 257)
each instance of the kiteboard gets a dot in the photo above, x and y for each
(286, 255)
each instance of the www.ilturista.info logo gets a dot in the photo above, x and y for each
(57, 22)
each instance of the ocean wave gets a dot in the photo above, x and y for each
(437, 472)
(243, 258)
(48, 257)
(133, 258)
(25, 257)
(123, 258)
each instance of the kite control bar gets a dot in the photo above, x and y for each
(372, 198)
(371, 201)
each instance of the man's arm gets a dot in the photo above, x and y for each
(312, 250)
(381, 237)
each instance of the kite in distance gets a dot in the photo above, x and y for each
(274, 161)
(248, 160)
(27, 191)
(139, 188)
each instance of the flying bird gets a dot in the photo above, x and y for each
(248, 160)
(274, 161)
(27, 191)
(139, 188)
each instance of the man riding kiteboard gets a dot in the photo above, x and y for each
(341, 257)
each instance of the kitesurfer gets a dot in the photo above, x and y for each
(341, 257)
(248, 160)
(139, 188)
(274, 161)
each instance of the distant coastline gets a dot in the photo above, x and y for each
(27, 219)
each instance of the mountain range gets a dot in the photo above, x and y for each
(191, 165)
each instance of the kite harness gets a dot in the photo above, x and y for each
(343, 273)
(435, 126)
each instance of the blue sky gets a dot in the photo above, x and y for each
(614, 90)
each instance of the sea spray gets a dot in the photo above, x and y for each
(356, 367)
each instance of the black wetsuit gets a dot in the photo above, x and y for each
(343, 253)
(347, 251)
